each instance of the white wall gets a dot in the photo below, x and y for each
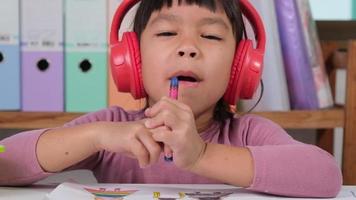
(331, 9)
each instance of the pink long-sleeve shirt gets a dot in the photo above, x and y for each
(283, 166)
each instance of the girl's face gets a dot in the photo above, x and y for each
(193, 43)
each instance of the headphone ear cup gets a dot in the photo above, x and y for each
(234, 86)
(245, 73)
(126, 65)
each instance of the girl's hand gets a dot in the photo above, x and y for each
(132, 139)
(181, 134)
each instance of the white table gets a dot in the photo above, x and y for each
(39, 193)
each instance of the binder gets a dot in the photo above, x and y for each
(301, 86)
(353, 10)
(116, 98)
(42, 55)
(9, 55)
(315, 55)
(85, 55)
(275, 96)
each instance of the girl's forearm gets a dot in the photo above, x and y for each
(231, 165)
(61, 148)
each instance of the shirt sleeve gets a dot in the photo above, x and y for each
(284, 166)
(19, 164)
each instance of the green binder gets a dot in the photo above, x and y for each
(85, 55)
(354, 10)
(86, 81)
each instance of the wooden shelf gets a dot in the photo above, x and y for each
(336, 30)
(34, 120)
(314, 119)
(294, 119)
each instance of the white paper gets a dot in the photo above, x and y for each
(70, 191)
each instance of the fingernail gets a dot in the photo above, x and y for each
(142, 165)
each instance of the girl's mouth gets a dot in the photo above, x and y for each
(188, 81)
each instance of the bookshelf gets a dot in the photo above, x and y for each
(319, 119)
(316, 119)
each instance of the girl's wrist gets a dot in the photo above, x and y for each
(92, 131)
(195, 167)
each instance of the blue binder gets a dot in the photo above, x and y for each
(9, 55)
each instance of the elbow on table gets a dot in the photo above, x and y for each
(326, 177)
(334, 185)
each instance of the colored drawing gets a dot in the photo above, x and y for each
(158, 196)
(105, 194)
(208, 195)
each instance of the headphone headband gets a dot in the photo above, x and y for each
(120, 13)
(254, 18)
(247, 9)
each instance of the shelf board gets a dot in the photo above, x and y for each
(336, 30)
(35, 120)
(316, 119)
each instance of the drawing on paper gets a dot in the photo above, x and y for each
(105, 194)
(207, 195)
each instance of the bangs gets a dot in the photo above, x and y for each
(209, 4)
(231, 8)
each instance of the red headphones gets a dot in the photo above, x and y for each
(246, 69)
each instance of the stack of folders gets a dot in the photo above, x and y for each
(307, 81)
(53, 56)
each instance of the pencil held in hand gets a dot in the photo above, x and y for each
(173, 93)
(173, 90)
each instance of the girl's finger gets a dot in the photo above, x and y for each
(165, 118)
(162, 134)
(140, 152)
(151, 145)
(168, 153)
(166, 103)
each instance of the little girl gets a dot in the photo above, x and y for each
(196, 41)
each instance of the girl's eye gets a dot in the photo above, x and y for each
(166, 34)
(212, 37)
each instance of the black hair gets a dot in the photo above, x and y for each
(232, 9)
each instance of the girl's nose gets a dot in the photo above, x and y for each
(191, 54)
(188, 49)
